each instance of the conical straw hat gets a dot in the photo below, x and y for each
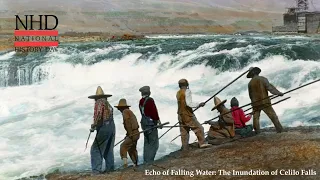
(122, 103)
(218, 103)
(99, 94)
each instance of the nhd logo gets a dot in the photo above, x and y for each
(30, 39)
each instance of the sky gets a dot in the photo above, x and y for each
(123, 5)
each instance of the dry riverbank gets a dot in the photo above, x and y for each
(292, 152)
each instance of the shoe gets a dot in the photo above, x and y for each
(205, 145)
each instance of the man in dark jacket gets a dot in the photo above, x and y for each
(258, 91)
(149, 119)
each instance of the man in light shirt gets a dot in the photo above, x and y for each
(186, 117)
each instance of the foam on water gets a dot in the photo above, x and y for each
(179, 36)
(7, 56)
(45, 126)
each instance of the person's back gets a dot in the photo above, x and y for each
(258, 88)
(258, 91)
(186, 116)
(224, 127)
(228, 121)
(131, 126)
(238, 115)
(130, 122)
(103, 144)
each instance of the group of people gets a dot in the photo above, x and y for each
(103, 123)
(231, 121)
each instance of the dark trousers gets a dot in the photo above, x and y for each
(151, 145)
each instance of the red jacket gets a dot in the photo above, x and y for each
(150, 108)
(239, 117)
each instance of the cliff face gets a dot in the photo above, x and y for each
(290, 155)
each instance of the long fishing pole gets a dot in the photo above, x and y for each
(271, 97)
(176, 126)
(206, 133)
(87, 141)
(207, 122)
(275, 96)
(209, 99)
(265, 106)
(142, 132)
(298, 88)
(223, 89)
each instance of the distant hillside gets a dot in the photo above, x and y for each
(153, 16)
(206, 20)
(137, 5)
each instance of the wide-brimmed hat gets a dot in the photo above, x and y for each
(252, 71)
(99, 94)
(122, 103)
(145, 89)
(218, 103)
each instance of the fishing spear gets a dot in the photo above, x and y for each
(209, 99)
(271, 97)
(207, 122)
(160, 125)
(88, 140)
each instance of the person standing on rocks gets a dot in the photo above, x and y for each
(186, 117)
(149, 119)
(102, 147)
(132, 127)
(224, 128)
(258, 91)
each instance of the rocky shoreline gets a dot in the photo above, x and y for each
(7, 41)
(293, 154)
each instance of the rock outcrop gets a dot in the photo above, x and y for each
(291, 155)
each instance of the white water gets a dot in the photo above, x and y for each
(170, 36)
(45, 126)
(7, 56)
